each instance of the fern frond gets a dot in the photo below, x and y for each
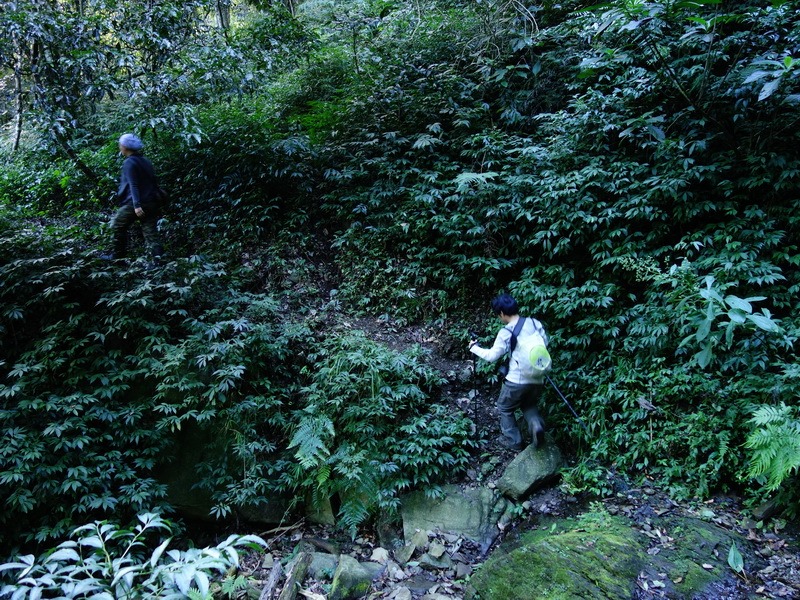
(775, 444)
(309, 439)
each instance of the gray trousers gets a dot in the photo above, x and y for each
(524, 396)
(121, 223)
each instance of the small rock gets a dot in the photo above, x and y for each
(394, 572)
(420, 584)
(401, 593)
(420, 539)
(426, 561)
(436, 550)
(380, 555)
(404, 553)
(350, 581)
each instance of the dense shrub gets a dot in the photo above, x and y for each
(637, 209)
(102, 364)
(368, 430)
(629, 172)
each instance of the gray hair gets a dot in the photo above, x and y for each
(131, 142)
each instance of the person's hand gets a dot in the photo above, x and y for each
(139, 211)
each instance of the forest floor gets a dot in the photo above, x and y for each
(772, 562)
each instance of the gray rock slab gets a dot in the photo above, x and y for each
(350, 581)
(531, 468)
(472, 513)
(323, 565)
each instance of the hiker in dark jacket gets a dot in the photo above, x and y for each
(137, 197)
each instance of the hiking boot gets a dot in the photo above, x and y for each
(538, 439)
(536, 430)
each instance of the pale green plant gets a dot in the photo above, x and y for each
(106, 562)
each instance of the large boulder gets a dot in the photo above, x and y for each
(472, 513)
(606, 557)
(531, 468)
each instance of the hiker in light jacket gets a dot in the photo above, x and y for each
(519, 391)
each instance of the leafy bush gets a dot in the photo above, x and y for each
(101, 364)
(104, 365)
(109, 562)
(369, 428)
(637, 211)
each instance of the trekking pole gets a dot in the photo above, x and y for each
(558, 391)
(473, 395)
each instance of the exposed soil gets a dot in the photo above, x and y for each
(772, 560)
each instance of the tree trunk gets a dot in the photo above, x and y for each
(224, 14)
(63, 142)
(20, 104)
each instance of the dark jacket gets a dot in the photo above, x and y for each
(138, 183)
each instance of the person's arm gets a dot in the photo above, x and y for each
(498, 349)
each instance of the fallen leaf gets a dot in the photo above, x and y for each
(659, 584)
(708, 567)
(677, 580)
(312, 595)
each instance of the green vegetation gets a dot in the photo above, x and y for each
(104, 561)
(628, 170)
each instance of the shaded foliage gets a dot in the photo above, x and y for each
(629, 171)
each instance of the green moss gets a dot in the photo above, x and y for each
(694, 543)
(598, 556)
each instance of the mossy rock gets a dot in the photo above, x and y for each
(599, 556)
(602, 556)
(695, 543)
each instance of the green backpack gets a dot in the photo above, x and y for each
(534, 348)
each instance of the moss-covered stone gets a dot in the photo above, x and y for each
(350, 581)
(694, 543)
(602, 556)
(598, 556)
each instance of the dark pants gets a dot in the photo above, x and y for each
(524, 396)
(121, 223)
